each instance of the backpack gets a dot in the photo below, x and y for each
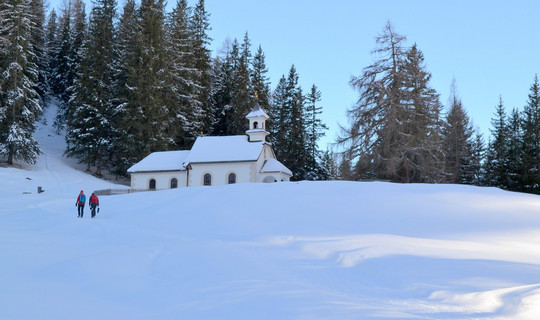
(82, 199)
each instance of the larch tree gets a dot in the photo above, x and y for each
(374, 135)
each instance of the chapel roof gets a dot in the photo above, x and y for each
(257, 111)
(272, 165)
(224, 149)
(161, 161)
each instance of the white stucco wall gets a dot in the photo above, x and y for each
(246, 172)
(220, 173)
(141, 180)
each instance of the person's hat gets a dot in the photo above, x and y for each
(81, 191)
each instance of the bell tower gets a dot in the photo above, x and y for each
(257, 124)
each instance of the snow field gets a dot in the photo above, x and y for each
(308, 250)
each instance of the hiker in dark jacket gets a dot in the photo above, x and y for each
(94, 202)
(81, 199)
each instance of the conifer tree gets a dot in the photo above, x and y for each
(62, 62)
(496, 168)
(19, 102)
(289, 127)
(315, 129)
(458, 141)
(260, 80)
(476, 168)
(90, 121)
(531, 140)
(51, 49)
(145, 122)
(128, 45)
(514, 154)
(200, 26)
(395, 125)
(376, 118)
(279, 112)
(242, 95)
(182, 78)
(38, 43)
(329, 165)
(222, 90)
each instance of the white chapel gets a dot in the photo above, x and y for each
(214, 161)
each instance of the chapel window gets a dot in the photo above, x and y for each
(152, 184)
(174, 183)
(207, 180)
(232, 178)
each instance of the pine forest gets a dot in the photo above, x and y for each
(139, 78)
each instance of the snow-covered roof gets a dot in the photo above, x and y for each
(161, 161)
(257, 112)
(224, 149)
(272, 165)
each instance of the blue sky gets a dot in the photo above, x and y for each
(490, 47)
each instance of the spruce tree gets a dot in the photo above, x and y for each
(62, 62)
(531, 140)
(458, 142)
(315, 129)
(260, 80)
(200, 26)
(38, 43)
(514, 151)
(289, 132)
(222, 90)
(90, 121)
(145, 123)
(20, 104)
(242, 95)
(496, 167)
(421, 157)
(51, 49)
(182, 78)
(128, 45)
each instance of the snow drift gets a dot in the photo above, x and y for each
(309, 250)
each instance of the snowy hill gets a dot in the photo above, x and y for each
(327, 250)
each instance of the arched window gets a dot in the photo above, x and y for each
(255, 125)
(174, 183)
(269, 179)
(207, 180)
(152, 184)
(232, 178)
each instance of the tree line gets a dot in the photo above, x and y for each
(144, 80)
(140, 81)
(398, 130)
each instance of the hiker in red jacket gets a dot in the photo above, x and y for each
(94, 202)
(81, 199)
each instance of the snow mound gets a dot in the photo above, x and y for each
(309, 250)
